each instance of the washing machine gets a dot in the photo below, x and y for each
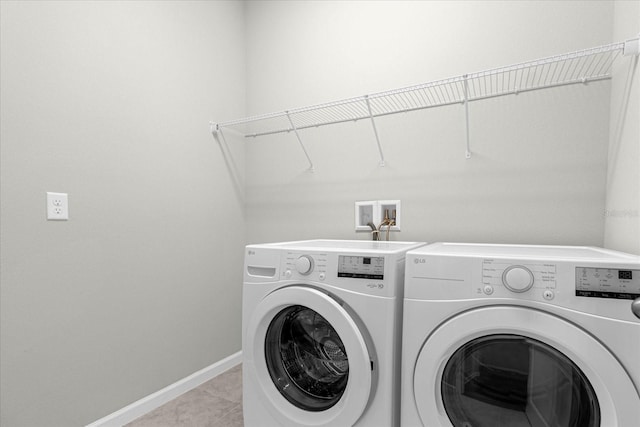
(321, 333)
(508, 335)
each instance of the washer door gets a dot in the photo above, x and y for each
(520, 367)
(310, 359)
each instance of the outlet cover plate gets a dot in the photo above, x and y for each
(57, 206)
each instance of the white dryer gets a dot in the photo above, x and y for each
(321, 333)
(535, 336)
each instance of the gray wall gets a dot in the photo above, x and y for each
(109, 102)
(622, 214)
(538, 170)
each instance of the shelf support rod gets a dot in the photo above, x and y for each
(466, 113)
(295, 130)
(375, 131)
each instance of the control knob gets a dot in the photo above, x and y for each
(517, 278)
(304, 264)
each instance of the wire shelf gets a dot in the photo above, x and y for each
(571, 68)
(566, 69)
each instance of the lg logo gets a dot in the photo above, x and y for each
(419, 261)
(251, 252)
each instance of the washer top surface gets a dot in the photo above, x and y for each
(346, 245)
(526, 251)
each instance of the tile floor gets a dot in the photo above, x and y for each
(216, 403)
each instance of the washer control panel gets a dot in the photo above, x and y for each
(607, 283)
(370, 273)
(361, 267)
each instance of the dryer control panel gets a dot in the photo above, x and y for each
(518, 277)
(607, 283)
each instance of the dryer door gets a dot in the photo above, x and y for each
(310, 358)
(514, 366)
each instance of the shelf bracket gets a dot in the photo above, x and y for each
(295, 130)
(632, 47)
(466, 113)
(375, 131)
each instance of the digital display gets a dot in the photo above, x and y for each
(625, 275)
(361, 267)
(607, 283)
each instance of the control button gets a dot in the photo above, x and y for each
(488, 289)
(517, 278)
(304, 264)
(321, 276)
(548, 295)
(288, 274)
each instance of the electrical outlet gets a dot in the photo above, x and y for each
(57, 206)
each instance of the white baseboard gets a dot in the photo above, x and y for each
(160, 397)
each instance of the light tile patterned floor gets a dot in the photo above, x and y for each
(216, 403)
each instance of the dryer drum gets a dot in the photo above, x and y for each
(517, 381)
(306, 359)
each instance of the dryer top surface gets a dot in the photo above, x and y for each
(526, 251)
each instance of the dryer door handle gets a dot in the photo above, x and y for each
(635, 307)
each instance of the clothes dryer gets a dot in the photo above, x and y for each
(321, 333)
(507, 335)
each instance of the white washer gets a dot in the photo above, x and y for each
(321, 333)
(506, 335)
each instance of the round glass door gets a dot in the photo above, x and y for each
(306, 358)
(516, 366)
(516, 381)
